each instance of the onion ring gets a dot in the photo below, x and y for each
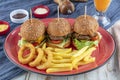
(48, 62)
(38, 59)
(30, 57)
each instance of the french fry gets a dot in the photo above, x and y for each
(80, 57)
(88, 58)
(76, 66)
(50, 48)
(68, 50)
(80, 52)
(44, 58)
(73, 52)
(50, 70)
(44, 46)
(62, 65)
(89, 55)
(62, 55)
(83, 63)
(48, 62)
(80, 63)
(92, 59)
(62, 61)
(58, 57)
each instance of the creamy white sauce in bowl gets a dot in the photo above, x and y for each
(41, 11)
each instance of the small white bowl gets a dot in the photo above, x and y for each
(19, 20)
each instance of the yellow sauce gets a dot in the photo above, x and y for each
(3, 27)
(102, 5)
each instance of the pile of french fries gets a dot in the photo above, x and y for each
(67, 59)
(58, 60)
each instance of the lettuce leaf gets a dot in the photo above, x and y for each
(21, 42)
(82, 43)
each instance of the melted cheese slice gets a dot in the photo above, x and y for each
(40, 39)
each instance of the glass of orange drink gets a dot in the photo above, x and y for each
(101, 7)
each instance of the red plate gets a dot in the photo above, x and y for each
(103, 52)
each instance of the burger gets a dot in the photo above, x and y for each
(85, 32)
(59, 32)
(32, 31)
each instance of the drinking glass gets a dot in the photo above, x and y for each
(101, 7)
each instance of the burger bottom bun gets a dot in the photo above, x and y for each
(66, 44)
(99, 38)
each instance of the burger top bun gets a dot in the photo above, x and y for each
(32, 29)
(59, 27)
(86, 26)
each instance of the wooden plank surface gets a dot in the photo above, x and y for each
(108, 71)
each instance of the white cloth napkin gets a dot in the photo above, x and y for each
(116, 33)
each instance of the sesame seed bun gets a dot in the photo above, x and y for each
(59, 27)
(86, 26)
(32, 29)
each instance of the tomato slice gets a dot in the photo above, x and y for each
(56, 41)
(35, 43)
(94, 38)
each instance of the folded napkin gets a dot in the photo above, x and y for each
(116, 32)
(7, 69)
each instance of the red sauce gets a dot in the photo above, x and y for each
(19, 15)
